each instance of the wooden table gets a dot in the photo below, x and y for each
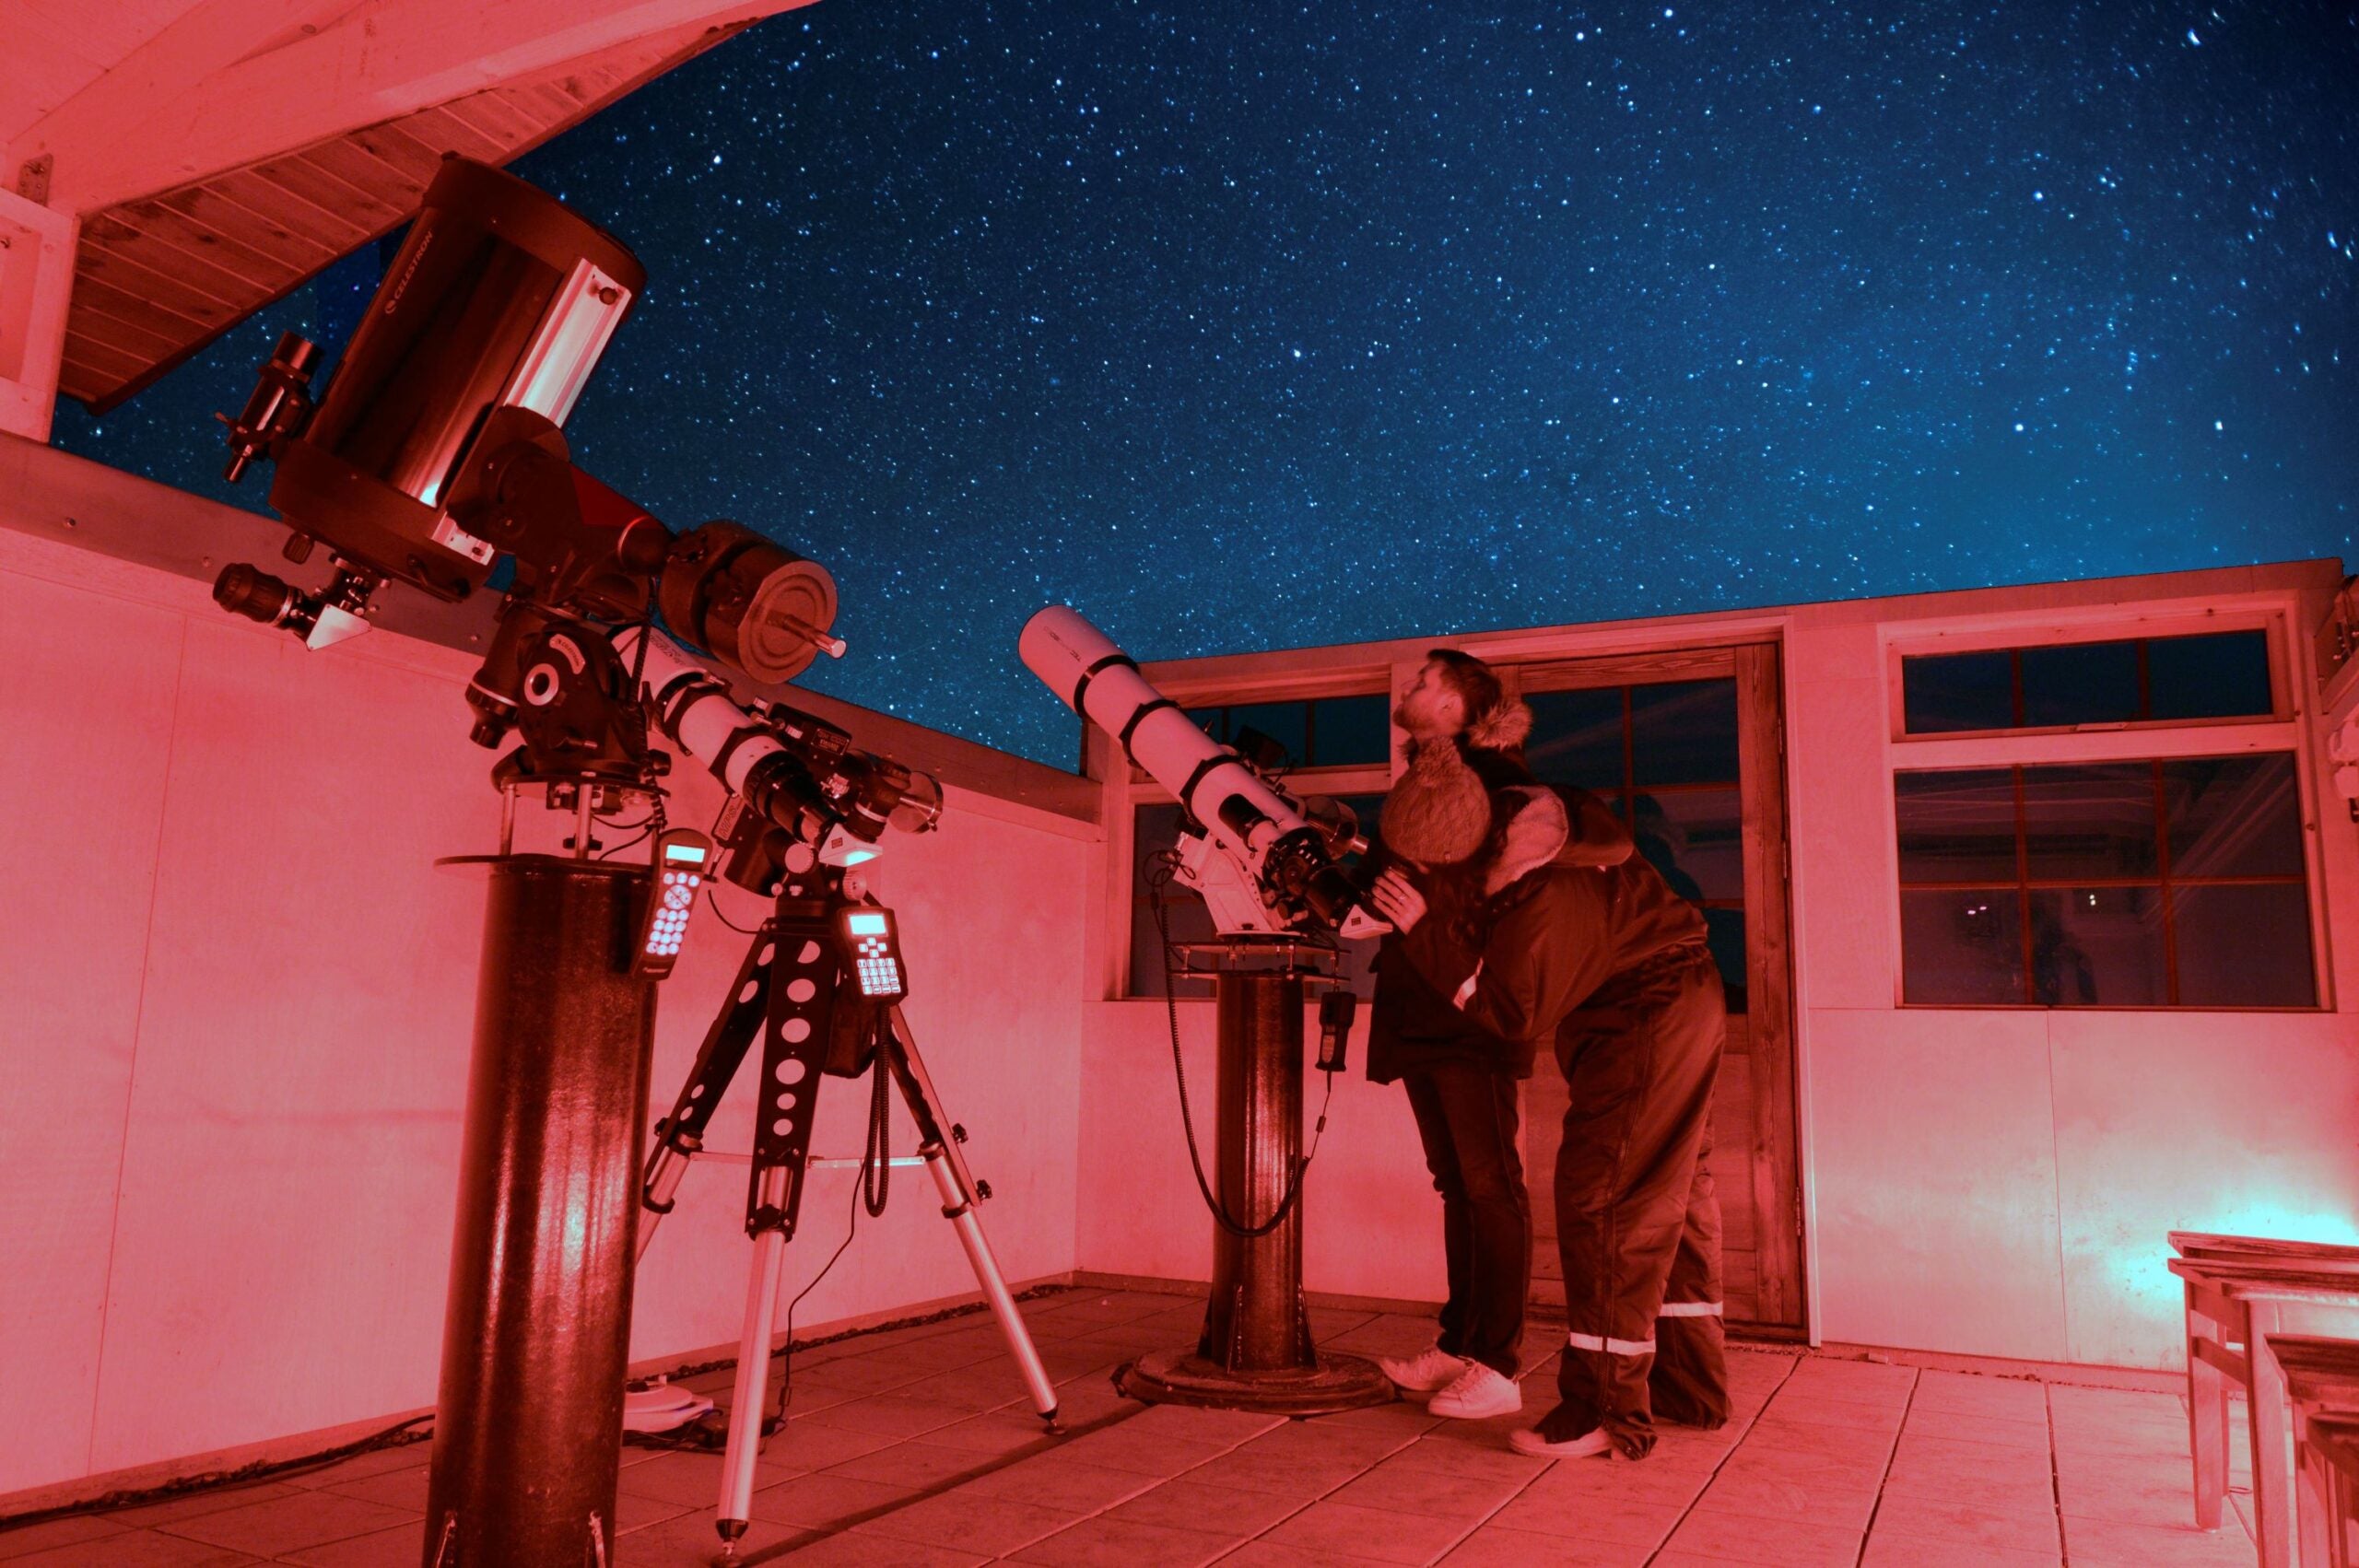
(2262, 1249)
(2330, 1455)
(2232, 1306)
(2322, 1384)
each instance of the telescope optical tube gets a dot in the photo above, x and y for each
(801, 773)
(499, 297)
(1252, 822)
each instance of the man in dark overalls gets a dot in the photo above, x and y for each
(1609, 965)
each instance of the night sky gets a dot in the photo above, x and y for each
(1245, 328)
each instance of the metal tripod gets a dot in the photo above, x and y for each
(794, 989)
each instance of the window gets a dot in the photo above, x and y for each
(1326, 731)
(1664, 757)
(2176, 883)
(2138, 681)
(1156, 829)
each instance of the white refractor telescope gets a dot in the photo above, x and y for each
(789, 768)
(1264, 861)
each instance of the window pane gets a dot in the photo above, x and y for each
(2097, 947)
(1724, 930)
(1153, 830)
(1696, 837)
(2233, 816)
(2243, 946)
(2088, 683)
(1189, 922)
(2092, 821)
(1956, 826)
(1683, 733)
(1961, 947)
(1577, 737)
(1212, 721)
(1958, 691)
(1350, 728)
(1288, 723)
(1369, 809)
(2224, 675)
(1156, 829)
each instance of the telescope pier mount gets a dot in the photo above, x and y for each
(1257, 1352)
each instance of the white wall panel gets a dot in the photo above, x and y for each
(303, 1052)
(1372, 1222)
(86, 706)
(1936, 1176)
(2186, 1122)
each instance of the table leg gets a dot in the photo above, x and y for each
(2345, 1517)
(2345, 1500)
(2207, 1418)
(2314, 1507)
(2272, 1443)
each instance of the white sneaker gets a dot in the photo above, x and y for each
(1476, 1393)
(1430, 1369)
(1529, 1441)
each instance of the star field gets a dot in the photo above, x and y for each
(1249, 328)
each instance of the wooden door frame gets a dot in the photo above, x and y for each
(1776, 1195)
(1769, 978)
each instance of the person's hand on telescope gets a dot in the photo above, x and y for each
(1398, 900)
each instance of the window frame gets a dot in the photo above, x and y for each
(2285, 729)
(2076, 634)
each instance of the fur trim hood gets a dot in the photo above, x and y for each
(1502, 729)
(1573, 828)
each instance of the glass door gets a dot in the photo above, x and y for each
(1685, 748)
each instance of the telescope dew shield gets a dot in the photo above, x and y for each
(1249, 820)
(498, 298)
(1102, 684)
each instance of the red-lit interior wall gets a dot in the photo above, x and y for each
(237, 1004)
(1993, 1183)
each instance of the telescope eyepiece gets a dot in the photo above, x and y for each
(250, 591)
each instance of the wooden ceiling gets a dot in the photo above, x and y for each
(158, 278)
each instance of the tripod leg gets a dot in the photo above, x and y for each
(679, 1137)
(798, 1010)
(664, 1169)
(958, 1208)
(751, 1395)
(961, 1192)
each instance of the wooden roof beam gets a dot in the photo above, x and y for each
(370, 65)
